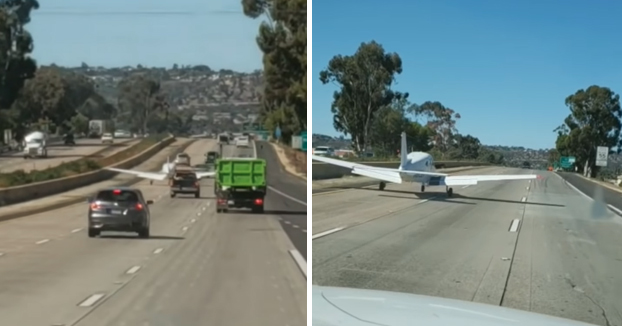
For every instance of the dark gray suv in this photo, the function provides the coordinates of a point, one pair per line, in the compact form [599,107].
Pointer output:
[119,209]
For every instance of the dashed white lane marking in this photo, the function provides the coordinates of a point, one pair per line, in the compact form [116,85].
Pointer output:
[304,231]
[300,261]
[524,199]
[466,186]
[295,226]
[527,188]
[185,228]
[133,270]
[203,208]
[157,251]
[615,209]
[90,301]
[76,230]
[198,214]
[325,233]
[1,254]
[514,225]
[288,196]
[193,220]
[42,241]
[287,222]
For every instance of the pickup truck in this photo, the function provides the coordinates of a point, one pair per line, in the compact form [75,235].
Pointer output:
[240,183]
[185,182]
[242,141]
[182,159]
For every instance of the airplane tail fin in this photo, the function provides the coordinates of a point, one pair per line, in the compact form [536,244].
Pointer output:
[403,151]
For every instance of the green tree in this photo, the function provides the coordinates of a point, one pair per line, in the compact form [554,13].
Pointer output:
[16,65]
[389,123]
[139,99]
[594,121]
[283,42]
[442,120]
[365,80]
[465,147]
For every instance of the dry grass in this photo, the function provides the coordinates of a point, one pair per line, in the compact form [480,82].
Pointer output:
[297,159]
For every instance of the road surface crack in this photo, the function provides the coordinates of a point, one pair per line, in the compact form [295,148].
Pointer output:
[602,309]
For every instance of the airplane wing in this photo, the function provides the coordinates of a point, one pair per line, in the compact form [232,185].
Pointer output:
[201,175]
[384,174]
[464,180]
[146,175]
[442,179]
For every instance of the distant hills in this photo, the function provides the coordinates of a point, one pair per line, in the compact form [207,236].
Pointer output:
[223,98]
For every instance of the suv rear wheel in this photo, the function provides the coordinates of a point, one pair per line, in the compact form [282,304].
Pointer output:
[144,233]
[93,233]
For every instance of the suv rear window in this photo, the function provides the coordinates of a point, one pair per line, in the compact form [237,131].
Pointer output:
[124,196]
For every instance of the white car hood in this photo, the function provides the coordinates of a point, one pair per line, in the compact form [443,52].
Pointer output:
[334,306]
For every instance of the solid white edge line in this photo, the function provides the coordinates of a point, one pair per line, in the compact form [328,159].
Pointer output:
[514,226]
[133,270]
[577,190]
[300,261]
[615,209]
[325,233]
[90,301]
[76,230]
[287,196]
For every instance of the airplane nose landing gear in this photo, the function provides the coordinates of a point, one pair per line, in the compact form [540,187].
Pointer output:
[450,192]
[382,185]
[422,188]
[151,182]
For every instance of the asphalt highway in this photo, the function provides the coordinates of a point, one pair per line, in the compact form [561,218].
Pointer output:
[198,267]
[59,153]
[290,192]
[538,246]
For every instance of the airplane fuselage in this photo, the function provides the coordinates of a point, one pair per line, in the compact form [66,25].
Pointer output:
[418,161]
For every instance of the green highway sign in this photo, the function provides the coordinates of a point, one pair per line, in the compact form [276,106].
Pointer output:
[566,162]
[303,135]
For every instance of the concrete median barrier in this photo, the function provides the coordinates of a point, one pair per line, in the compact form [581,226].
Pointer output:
[18,194]
[323,171]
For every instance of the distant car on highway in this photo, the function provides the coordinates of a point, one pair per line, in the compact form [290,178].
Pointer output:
[119,209]
[242,141]
[182,159]
[324,151]
[107,138]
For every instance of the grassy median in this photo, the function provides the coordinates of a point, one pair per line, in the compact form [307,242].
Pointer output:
[84,165]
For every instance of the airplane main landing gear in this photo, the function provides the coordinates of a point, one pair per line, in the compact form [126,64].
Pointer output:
[382,185]
[151,182]
[450,192]
[422,188]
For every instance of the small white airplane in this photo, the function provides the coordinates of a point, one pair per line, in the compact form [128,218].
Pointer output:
[418,167]
[167,172]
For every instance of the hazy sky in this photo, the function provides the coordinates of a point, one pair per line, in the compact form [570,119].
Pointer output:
[152,33]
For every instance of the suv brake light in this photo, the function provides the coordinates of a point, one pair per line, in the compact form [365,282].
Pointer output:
[139,206]
[95,206]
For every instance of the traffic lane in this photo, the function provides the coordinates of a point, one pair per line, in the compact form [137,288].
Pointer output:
[288,197]
[351,205]
[61,273]
[568,261]
[23,233]
[609,196]
[278,177]
[56,156]
[448,248]
[234,269]
[472,257]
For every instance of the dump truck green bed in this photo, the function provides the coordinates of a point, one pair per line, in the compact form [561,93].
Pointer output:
[241,172]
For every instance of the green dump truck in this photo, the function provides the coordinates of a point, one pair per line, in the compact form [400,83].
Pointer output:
[240,183]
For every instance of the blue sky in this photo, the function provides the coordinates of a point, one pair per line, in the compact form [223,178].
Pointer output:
[505,66]
[149,32]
